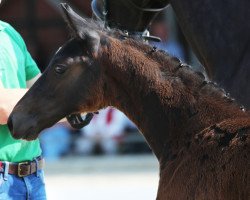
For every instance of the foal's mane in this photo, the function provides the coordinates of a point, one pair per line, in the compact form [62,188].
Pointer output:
[169,65]
[173,66]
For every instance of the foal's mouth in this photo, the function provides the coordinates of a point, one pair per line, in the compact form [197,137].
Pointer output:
[29,135]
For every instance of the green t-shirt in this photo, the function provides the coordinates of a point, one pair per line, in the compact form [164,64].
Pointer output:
[16,67]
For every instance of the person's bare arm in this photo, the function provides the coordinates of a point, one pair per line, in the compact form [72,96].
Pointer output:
[32,81]
[9,98]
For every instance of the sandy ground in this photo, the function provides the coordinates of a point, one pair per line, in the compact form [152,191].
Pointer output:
[102,178]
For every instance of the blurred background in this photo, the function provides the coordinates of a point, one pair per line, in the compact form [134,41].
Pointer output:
[109,159]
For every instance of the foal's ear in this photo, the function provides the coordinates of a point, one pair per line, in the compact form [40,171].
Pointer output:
[81,28]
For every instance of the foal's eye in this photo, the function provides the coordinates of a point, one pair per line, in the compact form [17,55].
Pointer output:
[60,69]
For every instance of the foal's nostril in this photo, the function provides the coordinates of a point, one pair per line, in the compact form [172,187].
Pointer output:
[10,124]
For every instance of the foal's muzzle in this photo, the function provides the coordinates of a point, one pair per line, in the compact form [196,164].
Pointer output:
[19,127]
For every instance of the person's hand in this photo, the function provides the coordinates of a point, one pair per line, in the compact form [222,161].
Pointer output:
[8,99]
[2,113]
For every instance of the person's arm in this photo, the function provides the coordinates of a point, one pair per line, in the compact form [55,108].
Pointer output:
[33,80]
[9,98]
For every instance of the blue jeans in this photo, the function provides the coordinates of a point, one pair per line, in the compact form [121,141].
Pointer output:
[30,187]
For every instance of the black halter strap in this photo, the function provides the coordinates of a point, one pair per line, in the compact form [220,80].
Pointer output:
[100,10]
[76,121]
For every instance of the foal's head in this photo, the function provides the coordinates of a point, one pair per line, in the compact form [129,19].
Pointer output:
[72,82]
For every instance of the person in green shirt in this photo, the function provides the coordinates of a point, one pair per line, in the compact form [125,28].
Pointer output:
[21,174]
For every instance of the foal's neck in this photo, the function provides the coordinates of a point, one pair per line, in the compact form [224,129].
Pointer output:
[169,104]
